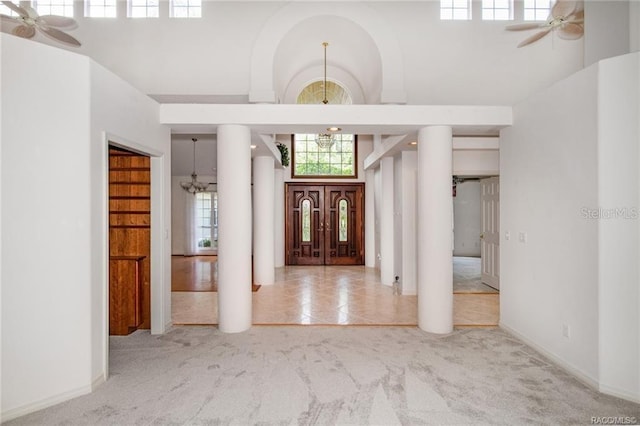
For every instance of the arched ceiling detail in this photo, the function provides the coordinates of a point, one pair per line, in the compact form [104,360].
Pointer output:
[361,45]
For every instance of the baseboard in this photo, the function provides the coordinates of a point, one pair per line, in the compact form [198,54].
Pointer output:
[570,368]
[618,393]
[48,402]
[98,381]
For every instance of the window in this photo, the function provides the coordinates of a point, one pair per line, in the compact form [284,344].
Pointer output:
[497,10]
[536,10]
[54,7]
[186,8]
[100,8]
[455,9]
[310,160]
[143,8]
[207,220]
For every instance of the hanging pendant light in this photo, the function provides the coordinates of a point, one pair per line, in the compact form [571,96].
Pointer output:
[325,140]
[194,186]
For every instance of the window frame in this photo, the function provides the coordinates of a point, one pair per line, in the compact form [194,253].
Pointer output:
[65,4]
[297,176]
[453,8]
[535,10]
[87,9]
[146,7]
[172,7]
[493,10]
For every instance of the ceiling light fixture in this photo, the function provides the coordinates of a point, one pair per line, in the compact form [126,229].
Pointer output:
[334,129]
[194,186]
[325,140]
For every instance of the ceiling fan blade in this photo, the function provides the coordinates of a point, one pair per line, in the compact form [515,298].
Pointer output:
[570,31]
[17,9]
[563,8]
[31,12]
[58,21]
[24,31]
[520,27]
[535,37]
[577,17]
[60,36]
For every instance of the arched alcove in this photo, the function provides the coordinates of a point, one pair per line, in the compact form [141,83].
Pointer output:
[363,53]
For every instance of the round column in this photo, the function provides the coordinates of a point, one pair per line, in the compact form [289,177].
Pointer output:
[369,220]
[435,239]
[234,228]
[278,227]
[263,220]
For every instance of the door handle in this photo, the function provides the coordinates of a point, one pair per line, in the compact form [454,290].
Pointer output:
[321,227]
[482,236]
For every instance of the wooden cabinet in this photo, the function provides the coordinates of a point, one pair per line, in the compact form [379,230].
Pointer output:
[126,281]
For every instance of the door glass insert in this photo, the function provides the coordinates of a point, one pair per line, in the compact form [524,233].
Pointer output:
[306,221]
[342,207]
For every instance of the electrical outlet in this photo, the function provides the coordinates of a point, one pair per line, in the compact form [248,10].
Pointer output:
[522,236]
[507,235]
[566,331]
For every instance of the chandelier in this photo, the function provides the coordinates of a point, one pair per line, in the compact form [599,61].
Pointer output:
[325,140]
[194,186]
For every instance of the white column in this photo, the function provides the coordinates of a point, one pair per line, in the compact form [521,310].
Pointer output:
[369,219]
[234,228]
[263,220]
[278,227]
[435,210]
[386,222]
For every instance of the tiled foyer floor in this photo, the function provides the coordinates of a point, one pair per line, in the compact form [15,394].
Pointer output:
[340,295]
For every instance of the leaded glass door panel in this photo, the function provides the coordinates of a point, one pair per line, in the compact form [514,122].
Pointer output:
[324,224]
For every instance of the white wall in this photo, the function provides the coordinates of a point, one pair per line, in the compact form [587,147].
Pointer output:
[466,223]
[198,59]
[607,29]
[618,242]
[570,181]
[58,110]
[481,162]
[46,256]
[548,173]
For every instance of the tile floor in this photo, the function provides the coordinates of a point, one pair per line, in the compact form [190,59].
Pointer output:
[332,295]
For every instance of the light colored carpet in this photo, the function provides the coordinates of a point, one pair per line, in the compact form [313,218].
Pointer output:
[331,375]
[466,276]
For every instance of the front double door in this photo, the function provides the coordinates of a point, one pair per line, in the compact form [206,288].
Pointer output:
[324,224]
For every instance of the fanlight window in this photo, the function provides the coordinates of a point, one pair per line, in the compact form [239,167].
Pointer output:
[314,94]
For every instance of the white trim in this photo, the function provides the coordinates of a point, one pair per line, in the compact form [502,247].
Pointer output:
[570,368]
[619,393]
[47,402]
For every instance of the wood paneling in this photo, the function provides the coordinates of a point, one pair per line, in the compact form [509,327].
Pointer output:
[129,238]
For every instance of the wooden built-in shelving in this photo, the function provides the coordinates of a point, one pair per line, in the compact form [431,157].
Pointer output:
[129,241]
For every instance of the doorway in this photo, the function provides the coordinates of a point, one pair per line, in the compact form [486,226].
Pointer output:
[129,241]
[324,224]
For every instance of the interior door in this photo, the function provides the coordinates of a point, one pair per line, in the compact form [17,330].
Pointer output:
[490,236]
[305,225]
[324,224]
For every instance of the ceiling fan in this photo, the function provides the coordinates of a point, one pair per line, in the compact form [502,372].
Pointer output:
[566,19]
[29,21]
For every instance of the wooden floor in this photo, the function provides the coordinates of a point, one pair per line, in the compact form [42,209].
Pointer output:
[323,295]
